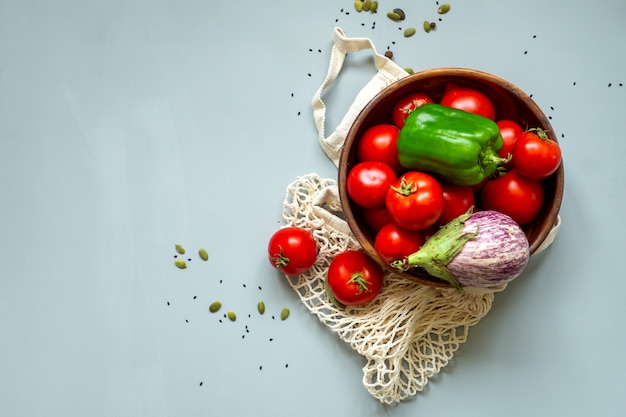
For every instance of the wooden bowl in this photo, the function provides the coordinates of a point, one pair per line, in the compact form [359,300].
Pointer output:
[509,101]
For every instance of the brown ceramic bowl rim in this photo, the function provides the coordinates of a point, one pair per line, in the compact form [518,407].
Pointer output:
[550,215]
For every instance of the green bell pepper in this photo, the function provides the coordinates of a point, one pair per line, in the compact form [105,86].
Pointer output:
[460,147]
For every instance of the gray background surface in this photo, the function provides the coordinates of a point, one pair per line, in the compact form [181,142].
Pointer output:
[126,127]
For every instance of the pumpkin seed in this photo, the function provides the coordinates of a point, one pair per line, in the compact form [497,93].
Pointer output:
[261,307]
[367,5]
[204,255]
[427,26]
[358,5]
[215,306]
[231,315]
[179,248]
[400,13]
[180,263]
[409,32]
[443,9]
[409,70]
[284,313]
[374,7]
[394,16]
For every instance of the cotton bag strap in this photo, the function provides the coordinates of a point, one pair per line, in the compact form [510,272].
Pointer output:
[387,73]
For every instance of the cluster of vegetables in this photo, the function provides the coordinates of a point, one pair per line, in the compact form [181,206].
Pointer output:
[446,188]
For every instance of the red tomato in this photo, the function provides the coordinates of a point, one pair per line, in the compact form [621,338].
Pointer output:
[292,250]
[468,99]
[376,217]
[367,183]
[354,278]
[535,155]
[406,105]
[378,143]
[510,131]
[415,201]
[393,242]
[514,195]
[457,199]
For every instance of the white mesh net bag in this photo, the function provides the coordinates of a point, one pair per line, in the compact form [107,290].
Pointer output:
[410,331]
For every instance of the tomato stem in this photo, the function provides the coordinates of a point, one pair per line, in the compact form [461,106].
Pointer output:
[358,279]
[406,188]
[279,259]
[543,134]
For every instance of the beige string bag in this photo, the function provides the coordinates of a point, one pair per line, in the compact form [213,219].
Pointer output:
[410,331]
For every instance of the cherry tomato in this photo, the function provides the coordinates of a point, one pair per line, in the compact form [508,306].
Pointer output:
[354,278]
[376,217]
[393,242]
[510,131]
[415,201]
[406,105]
[535,155]
[517,196]
[292,250]
[468,99]
[457,199]
[367,183]
[378,143]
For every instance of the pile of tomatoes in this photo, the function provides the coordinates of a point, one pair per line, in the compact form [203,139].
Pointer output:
[406,207]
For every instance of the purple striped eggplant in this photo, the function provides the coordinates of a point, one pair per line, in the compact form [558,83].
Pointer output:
[481,249]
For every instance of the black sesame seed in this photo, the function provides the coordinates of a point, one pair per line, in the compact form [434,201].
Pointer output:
[298,113]
[550,117]
[261,368]
[525,52]
[286,365]
[220,281]
[534,36]
[272,317]
[220,320]
[200,383]
[186,321]
[551,108]
[336,20]
[243,336]
[168,303]
[562,135]
[309,74]
[271,339]
[175,256]
[310,50]
[244,285]
[609,84]
[574,82]
[260,287]
[195,296]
